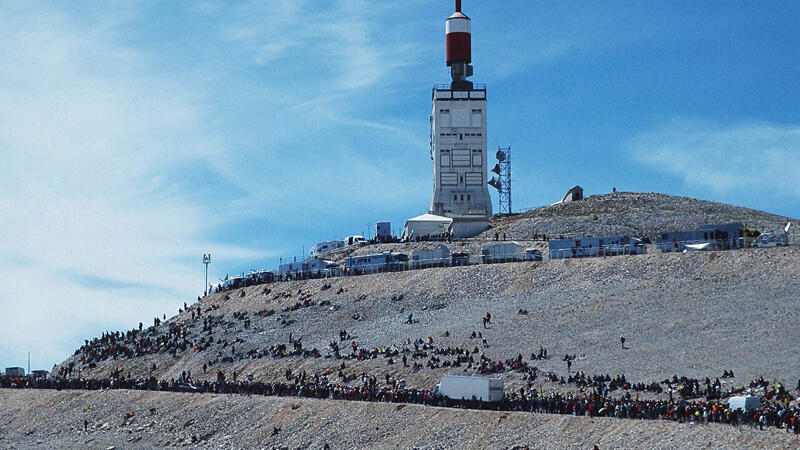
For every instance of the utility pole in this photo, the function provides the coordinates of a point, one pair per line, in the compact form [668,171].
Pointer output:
[29,364]
[206,261]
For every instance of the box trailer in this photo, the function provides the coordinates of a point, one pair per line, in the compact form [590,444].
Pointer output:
[744,403]
[457,387]
[437,257]
[502,252]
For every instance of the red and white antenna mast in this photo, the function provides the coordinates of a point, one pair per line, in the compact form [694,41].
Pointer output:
[459,48]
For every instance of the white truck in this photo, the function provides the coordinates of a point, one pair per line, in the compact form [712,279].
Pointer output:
[502,252]
[456,387]
[437,257]
[744,403]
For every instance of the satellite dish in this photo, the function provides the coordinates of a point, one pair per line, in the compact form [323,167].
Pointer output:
[788,225]
[496,169]
[500,156]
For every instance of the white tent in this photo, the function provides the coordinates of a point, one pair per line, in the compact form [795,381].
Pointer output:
[427,225]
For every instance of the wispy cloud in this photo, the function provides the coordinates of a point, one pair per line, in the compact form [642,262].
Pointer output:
[752,158]
[98,226]
[343,42]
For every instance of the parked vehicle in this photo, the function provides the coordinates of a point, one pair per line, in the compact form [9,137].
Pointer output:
[383,262]
[533,254]
[502,252]
[770,240]
[595,246]
[354,241]
[456,387]
[233,282]
[723,236]
[459,259]
[437,257]
[744,403]
[255,278]
[310,268]
[325,247]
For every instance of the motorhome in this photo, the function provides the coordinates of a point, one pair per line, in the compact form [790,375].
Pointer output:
[595,246]
[324,247]
[382,262]
[312,267]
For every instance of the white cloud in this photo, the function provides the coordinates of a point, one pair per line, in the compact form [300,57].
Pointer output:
[90,140]
[753,158]
[103,138]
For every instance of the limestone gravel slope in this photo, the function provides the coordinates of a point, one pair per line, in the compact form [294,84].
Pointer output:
[50,419]
[691,314]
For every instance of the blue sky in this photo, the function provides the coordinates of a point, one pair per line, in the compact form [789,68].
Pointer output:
[136,136]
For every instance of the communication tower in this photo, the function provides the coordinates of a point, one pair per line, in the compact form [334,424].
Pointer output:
[458,137]
[503,181]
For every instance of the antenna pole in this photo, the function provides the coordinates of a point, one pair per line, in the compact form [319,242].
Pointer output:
[458,5]
[206,261]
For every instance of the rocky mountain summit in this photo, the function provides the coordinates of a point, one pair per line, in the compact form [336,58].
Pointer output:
[689,315]
[630,213]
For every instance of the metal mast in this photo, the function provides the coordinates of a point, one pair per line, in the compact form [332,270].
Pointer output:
[503,181]
[206,261]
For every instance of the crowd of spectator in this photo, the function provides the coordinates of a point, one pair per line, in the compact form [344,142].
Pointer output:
[594,404]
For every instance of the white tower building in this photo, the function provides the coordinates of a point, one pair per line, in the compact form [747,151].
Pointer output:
[458,138]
